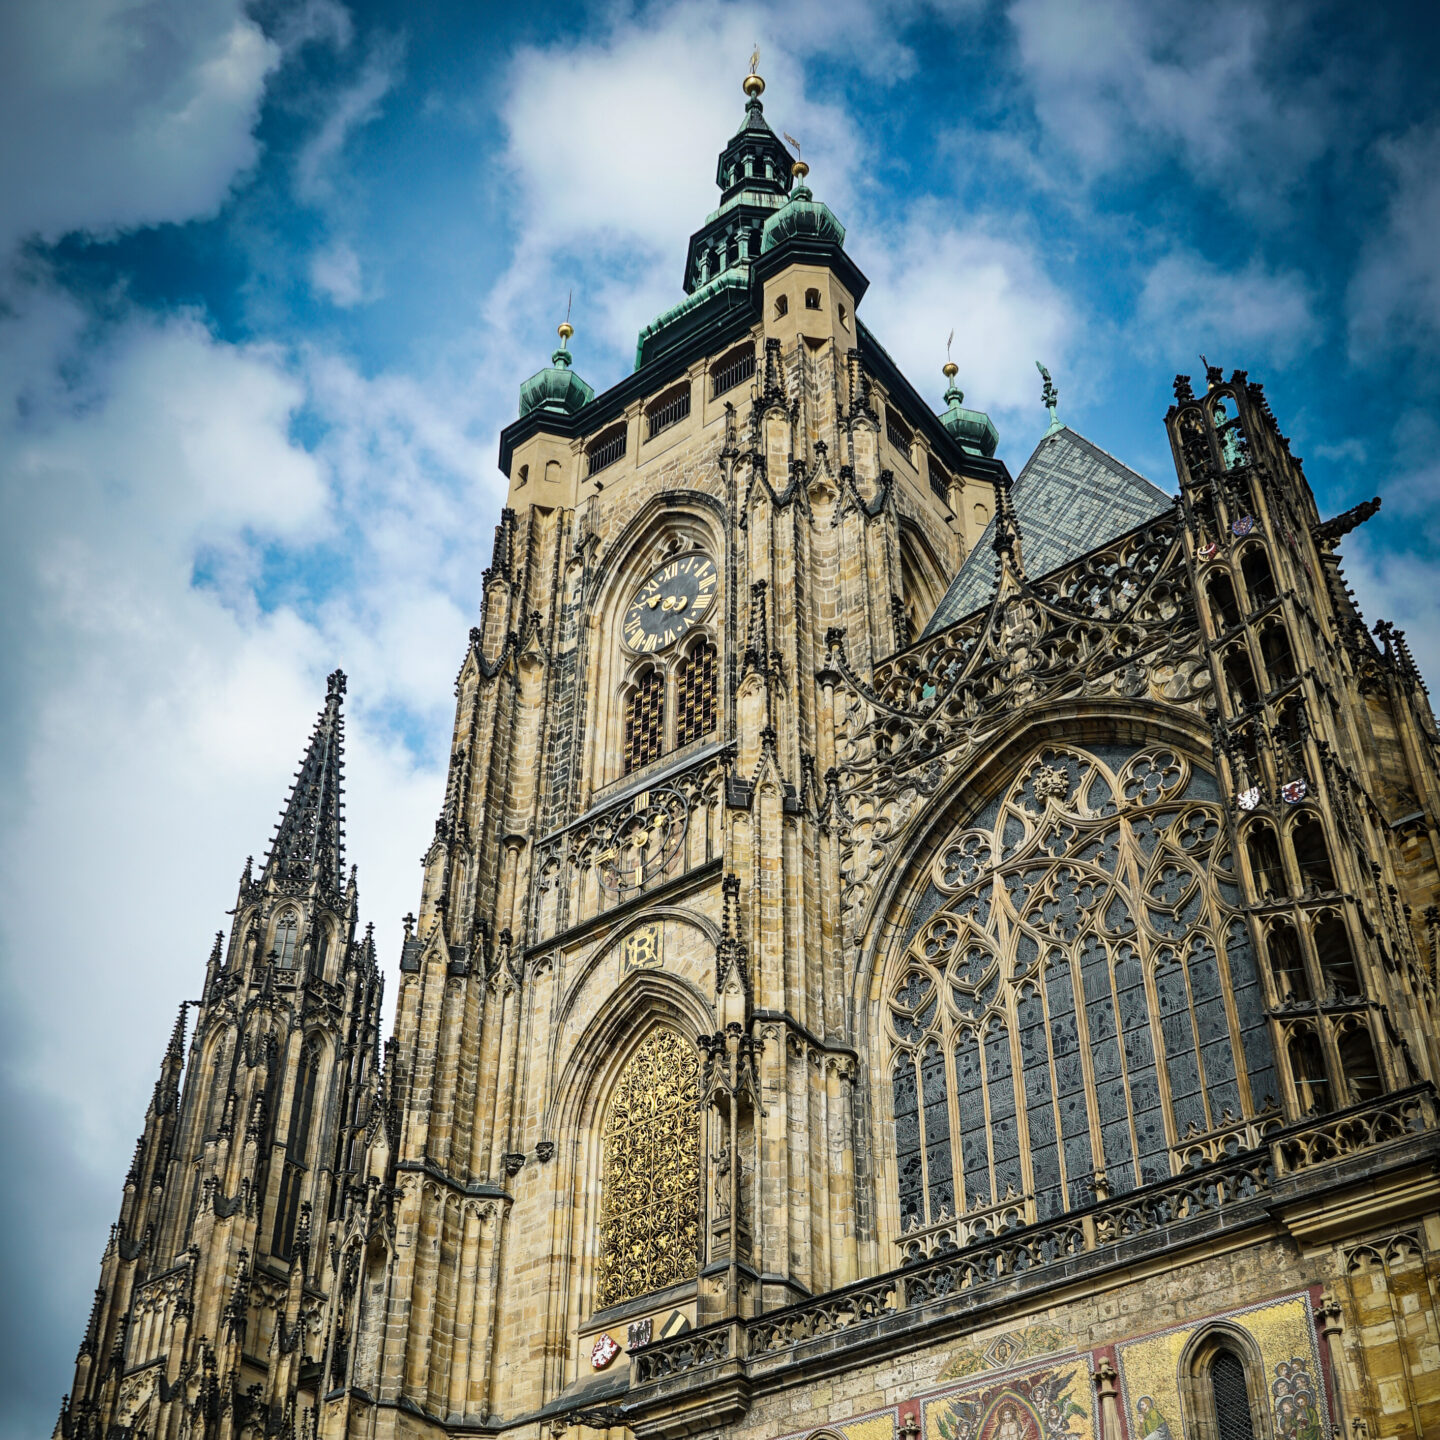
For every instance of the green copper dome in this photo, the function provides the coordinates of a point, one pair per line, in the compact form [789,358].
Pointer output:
[804,215]
[557,388]
[974,431]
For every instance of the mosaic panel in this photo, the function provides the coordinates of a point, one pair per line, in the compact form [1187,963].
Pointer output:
[1054,1403]
[1285,1333]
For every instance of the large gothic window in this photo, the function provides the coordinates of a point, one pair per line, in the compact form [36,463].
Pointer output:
[286,928]
[1079,1011]
[297,1147]
[650,1193]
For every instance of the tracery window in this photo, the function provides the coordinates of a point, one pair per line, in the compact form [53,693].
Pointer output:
[650,1194]
[645,721]
[695,693]
[297,1147]
[286,928]
[1080,1002]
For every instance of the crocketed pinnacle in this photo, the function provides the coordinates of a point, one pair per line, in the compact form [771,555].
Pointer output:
[309,843]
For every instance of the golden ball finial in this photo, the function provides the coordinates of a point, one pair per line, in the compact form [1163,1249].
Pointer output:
[799,169]
[753,86]
[949,369]
[564,330]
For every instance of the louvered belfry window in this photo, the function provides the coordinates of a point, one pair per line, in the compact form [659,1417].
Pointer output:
[645,721]
[695,694]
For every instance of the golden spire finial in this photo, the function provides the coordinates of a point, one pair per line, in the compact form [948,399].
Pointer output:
[565,329]
[799,169]
[753,85]
[949,369]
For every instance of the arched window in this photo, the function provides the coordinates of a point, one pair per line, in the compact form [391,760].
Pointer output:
[1287,964]
[1259,579]
[1337,962]
[695,693]
[1278,656]
[782,307]
[1021,1008]
[1231,1397]
[1222,601]
[732,369]
[1263,851]
[286,929]
[1312,855]
[1359,1065]
[650,1192]
[812,299]
[1307,1068]
[645,721]
[1240,676]
[297,1147]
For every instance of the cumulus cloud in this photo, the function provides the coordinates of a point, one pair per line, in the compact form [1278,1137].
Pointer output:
[1395,294]
[115,114]
[177,574]
[992,287]
[1113,81]
[1188,303]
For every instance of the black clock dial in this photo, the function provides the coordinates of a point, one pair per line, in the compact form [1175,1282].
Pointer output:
[671,602]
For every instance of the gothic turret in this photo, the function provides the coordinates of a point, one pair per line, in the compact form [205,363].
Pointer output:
[211,1288]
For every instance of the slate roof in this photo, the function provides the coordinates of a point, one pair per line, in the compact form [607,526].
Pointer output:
[1070,497]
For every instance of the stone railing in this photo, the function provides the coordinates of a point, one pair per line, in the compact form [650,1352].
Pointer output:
[1166,1214]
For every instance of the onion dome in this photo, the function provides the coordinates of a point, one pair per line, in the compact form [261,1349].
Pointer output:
[973,430]
[557,389]
[804,215]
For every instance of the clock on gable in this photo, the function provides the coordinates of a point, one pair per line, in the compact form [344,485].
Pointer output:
[671,603]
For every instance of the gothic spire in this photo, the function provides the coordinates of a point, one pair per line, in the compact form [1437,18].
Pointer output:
[309,844]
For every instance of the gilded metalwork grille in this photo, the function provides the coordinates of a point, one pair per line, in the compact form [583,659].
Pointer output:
[645,721]
[650,1198]
[1084,1009]
[695,695]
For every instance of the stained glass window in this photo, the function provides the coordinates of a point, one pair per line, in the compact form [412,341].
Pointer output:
[650,1192]
[1082,997]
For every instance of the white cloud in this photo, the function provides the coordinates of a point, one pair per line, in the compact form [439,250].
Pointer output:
[1187,303]
[1395,295]
[351,108]
[115,113]
[1116,80]
[928,276]
[335,273]
[150,723]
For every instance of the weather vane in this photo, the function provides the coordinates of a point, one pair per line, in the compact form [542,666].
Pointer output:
[1049,398]
[949,341]
[565,329]
[753,85]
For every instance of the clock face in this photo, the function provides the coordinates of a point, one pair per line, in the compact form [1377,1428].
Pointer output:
[673,600]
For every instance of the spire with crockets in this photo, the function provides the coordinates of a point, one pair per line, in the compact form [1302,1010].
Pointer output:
[309,843]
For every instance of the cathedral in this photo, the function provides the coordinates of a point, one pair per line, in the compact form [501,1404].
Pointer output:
[906,952]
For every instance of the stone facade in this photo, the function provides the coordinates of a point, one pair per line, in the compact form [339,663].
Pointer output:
[1019,1031]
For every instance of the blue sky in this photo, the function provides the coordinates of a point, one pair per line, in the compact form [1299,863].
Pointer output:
[270,276]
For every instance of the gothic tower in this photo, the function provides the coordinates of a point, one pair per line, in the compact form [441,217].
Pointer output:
[208,1318]
[905,949]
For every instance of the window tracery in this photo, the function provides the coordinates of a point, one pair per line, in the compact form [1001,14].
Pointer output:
[650,1192]
[1085,1000]
[283,948]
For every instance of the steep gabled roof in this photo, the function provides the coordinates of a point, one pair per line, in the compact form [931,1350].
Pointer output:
[1070,497]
